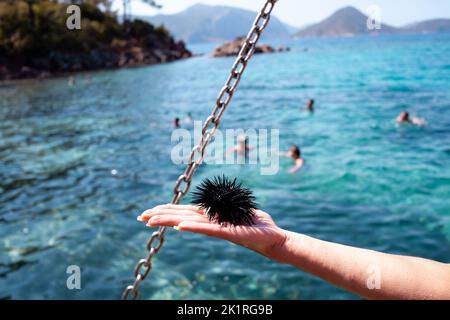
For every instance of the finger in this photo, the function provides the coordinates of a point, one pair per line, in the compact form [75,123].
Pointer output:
[178,207]
[155,212]
[174,220]
[209,229]
[175,207]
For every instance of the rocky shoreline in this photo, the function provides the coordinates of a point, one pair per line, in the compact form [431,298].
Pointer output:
[56,63]
[128,54]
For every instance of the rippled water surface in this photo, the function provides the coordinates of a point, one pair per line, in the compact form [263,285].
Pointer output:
[78,164]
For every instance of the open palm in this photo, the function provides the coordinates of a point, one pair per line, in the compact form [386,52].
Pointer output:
[264,236]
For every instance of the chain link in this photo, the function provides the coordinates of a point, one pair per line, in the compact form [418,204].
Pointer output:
[209,128]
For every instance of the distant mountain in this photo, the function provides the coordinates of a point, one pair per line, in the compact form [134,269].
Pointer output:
[203,23]
[429,26]
[291,29]
[347,21]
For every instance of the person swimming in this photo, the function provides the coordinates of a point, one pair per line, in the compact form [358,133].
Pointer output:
[188,119]
[242,147]
[176,122]
[71,82]
[295,153]
[404,118]
[310,105]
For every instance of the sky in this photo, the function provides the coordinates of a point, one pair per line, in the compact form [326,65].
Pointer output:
[299,13]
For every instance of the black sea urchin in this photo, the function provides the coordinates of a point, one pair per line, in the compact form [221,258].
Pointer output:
[225,201]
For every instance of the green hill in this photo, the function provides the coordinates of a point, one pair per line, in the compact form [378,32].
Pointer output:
[35,41]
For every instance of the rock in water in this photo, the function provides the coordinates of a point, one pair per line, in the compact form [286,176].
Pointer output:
[232,48]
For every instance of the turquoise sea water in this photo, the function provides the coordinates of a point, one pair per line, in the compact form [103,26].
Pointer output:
[368,183]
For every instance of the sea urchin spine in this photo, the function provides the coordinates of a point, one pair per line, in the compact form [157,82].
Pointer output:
[225,201]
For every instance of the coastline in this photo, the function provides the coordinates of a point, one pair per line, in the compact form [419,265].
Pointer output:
[75,74]
[58,64]
[65,74]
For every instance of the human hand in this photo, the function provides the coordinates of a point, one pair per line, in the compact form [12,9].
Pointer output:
[293,169]
[264,236]
[419,122]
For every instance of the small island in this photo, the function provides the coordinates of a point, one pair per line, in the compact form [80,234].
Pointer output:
[232,48]
[35,41]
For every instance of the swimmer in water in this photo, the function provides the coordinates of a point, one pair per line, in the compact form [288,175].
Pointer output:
[188,119]
[310,105]
[295,153]
[404,118]
[176,122]
[242,147]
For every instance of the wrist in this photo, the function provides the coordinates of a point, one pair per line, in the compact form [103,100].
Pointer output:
[282,250]
[286,251]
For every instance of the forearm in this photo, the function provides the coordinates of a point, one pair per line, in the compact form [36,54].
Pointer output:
[367,273]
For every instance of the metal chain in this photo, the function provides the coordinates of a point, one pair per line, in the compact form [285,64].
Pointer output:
[209,128]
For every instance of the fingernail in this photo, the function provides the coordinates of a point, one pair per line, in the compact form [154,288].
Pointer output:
[139,218]
[152,222]
[176,228]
